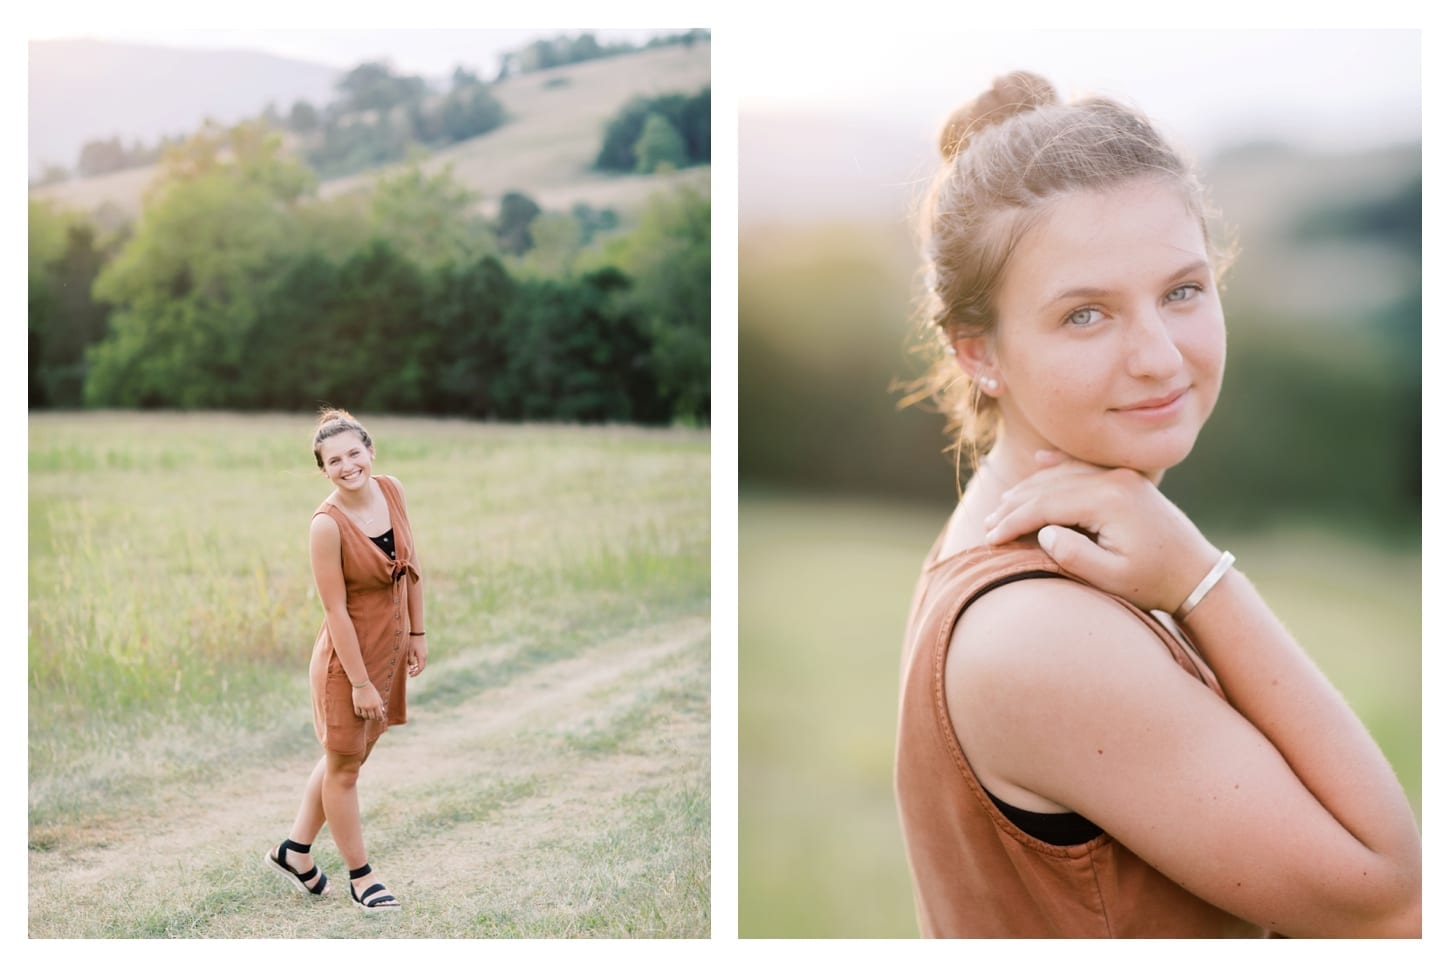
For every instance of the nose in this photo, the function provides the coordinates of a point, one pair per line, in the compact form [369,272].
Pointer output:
[1152,352]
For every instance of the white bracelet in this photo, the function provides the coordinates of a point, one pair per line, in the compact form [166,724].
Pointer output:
[1225,561]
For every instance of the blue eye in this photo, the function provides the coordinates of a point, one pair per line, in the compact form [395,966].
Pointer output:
[1085,316]
[1184,292]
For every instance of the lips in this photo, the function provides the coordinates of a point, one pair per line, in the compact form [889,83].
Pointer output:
[1156,403]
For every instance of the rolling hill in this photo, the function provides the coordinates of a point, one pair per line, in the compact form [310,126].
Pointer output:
[89,90]
[546,149]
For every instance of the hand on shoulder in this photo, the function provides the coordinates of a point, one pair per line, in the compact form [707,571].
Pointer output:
[1110,526]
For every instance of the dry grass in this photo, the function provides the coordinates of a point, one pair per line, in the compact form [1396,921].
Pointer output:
[554,779]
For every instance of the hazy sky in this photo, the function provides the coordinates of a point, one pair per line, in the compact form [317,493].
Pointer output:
[1337,88]
[415,50]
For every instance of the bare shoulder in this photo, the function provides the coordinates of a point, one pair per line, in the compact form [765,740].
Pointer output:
[1043,629]
[324,528]
[1034,669]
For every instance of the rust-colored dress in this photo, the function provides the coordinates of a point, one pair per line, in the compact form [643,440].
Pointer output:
[377,602]
[975,873]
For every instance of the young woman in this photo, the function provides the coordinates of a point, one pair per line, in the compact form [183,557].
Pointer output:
[1103,730]
[367,576]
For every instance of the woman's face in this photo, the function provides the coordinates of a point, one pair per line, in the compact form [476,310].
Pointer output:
[1110,336]
[346,461]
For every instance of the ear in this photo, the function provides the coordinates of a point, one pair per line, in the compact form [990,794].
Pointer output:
[977,358]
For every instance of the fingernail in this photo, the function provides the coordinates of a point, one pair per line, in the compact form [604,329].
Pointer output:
[990,519]
[1047,537]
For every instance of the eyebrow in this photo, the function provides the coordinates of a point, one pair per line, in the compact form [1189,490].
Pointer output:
[1089,292]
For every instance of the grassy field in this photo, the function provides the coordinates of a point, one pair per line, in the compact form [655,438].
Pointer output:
[554,777]
[824,589]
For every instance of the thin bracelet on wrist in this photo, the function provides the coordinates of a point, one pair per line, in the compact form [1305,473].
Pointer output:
[365,684]
[416,634]
[1225,561]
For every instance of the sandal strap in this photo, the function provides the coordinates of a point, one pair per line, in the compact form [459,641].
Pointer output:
[289,846]
[376,901]
[361,871]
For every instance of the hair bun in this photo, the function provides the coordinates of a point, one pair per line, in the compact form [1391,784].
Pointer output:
[330,413]
[1010,94]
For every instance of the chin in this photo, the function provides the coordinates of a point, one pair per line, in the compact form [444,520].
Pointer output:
[1150,458]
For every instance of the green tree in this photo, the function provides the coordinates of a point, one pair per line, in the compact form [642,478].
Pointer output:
[576,352]
[660,147]
[372,340]
[217,228]
[689,116]
[468,305]
[303,118]
[373,86]
[516,213]
[668,257]
[430,219]
[557,240]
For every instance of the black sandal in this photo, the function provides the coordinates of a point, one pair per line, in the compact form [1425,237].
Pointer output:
[385,902]
[302,881]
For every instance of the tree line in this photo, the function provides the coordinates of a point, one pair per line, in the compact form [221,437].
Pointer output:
[241,289]
[562,50]
[650,134]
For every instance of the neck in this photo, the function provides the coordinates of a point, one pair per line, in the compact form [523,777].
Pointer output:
[359,501]
[1013,459]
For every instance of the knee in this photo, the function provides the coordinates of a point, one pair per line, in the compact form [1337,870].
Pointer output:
[343,769]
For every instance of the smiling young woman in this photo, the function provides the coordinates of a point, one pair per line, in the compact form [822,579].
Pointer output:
[1103,729]
[366,571]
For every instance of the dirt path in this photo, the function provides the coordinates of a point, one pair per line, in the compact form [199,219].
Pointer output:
[459,806]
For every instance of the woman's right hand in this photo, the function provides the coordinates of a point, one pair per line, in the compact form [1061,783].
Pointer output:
[1111,527]
[367,703]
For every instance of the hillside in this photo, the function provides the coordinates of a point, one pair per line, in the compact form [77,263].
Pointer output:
[88,90]
[546,149]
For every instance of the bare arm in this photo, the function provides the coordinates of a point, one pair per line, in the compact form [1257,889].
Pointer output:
[325,545]
[1278,805]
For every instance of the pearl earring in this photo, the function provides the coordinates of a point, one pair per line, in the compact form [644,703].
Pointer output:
[989,384]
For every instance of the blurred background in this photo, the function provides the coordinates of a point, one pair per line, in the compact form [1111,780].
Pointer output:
[250,219]
[1309,142]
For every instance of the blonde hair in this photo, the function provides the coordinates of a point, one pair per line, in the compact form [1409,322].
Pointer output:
[1007,154]
[331,422]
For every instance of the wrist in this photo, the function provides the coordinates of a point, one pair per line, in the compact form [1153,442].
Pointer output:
[416,634]
[363,684]
[1211,578]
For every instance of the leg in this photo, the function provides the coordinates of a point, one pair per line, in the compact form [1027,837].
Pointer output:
[339,799]
[310,815]
[292,857]
[338,795]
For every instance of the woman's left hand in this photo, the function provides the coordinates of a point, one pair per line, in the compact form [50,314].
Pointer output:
[417,655]
[1111,527]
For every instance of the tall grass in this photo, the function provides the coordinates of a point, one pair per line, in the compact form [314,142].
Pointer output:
[557,783]
[824,590]
[169,575]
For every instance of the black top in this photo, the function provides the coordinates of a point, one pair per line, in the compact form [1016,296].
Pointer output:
[1059,829]
[385,541]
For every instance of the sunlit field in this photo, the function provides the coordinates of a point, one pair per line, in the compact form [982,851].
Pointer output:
[553,779]
[824,590]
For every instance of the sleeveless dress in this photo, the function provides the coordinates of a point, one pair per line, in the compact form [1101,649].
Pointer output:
[377,602]
[974,872]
